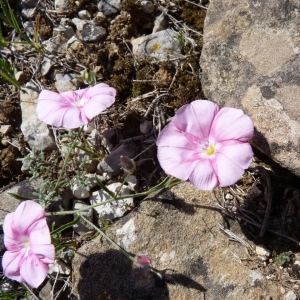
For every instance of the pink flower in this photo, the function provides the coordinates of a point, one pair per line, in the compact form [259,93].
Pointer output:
[206,144]
[74,108]
[27,239]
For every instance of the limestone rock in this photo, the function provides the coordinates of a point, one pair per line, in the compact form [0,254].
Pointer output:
[35,132]
[160,22]
[251,60]
[114,209]
[84,15]
[82,227]
[79,23]
[65,31]
[80,192]
[93,33]
[109,7]
[47,63]
[159,45]
[61,5]
[68,82]
[56,44]
[179,231]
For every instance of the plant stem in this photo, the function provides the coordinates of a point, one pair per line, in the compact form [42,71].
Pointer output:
[109,239]
[30,291]
[166,183]
[67,159]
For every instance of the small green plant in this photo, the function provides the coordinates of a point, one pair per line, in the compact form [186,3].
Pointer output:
[23,294]
[54,173]
[87,77]
[136,92]
[8,17]
[284,259]
[7,72]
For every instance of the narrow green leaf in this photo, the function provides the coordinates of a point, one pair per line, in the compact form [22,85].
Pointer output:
[103,187]
[18,196]
[65,226]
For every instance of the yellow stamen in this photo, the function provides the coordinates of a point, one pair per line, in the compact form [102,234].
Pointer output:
[211,150]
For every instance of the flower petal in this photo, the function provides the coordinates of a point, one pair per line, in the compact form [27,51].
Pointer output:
[45,253]
[48,104]
[231,160]
[74,96]
[178,162]
[171,136]
[99,98]
[11,263]
[33,271]
[73,117]
[39,232]
[196,118]
[11,238]
[100,89]
[204,176]
[232,124]
[26,214]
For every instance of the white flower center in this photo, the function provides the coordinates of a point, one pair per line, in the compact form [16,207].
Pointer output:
[26,244]
[209,149]
[80,102]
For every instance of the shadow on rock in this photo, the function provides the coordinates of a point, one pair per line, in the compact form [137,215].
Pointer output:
[111,275]
[183,280]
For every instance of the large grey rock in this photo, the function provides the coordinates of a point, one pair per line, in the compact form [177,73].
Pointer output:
[251,60]
[159,45]
[180,232]
[36,133]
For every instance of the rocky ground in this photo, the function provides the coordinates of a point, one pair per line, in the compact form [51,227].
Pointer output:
[150,52]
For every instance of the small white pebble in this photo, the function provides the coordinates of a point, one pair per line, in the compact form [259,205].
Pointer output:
[229,197]
[290,296]
[260,251]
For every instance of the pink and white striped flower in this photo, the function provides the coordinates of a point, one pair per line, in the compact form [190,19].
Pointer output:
[73,109]
[28,242]
[206,144]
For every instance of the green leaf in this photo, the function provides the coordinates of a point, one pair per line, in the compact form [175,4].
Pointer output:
[18,196]
[103,187]
[65,226]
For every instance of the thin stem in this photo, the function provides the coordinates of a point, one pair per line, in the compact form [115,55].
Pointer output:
[71,212]
[109,239]
[166,183]
[67,159]
[30,291]
[123,182]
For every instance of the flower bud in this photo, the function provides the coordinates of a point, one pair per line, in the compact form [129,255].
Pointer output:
[127,163]
[143,260]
